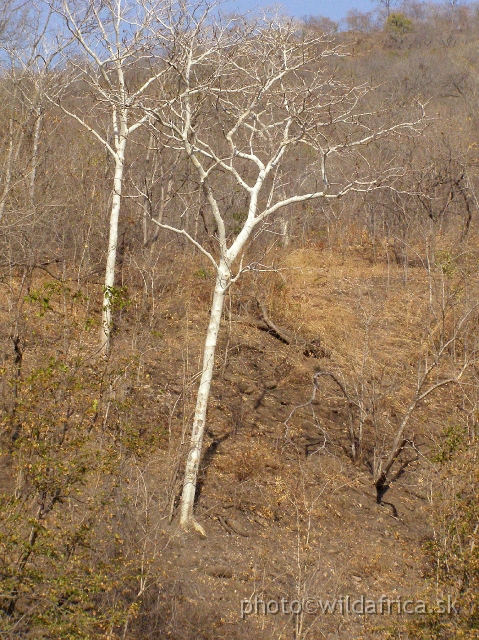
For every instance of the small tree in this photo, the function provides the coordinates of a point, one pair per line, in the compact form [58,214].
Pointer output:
[397,26]
[114,41]
[446,356]
[258,111]
[389,393]
[29,53]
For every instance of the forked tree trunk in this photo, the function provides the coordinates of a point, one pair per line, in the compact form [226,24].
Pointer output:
[108,293]
[223,280]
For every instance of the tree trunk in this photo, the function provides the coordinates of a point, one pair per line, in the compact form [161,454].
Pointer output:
[12,155]
[36,144]
[112,247]
[223,279]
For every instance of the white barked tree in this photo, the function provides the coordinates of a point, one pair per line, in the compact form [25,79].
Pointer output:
[257,110]
[116,52]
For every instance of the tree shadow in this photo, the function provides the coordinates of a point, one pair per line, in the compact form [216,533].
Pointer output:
[206,462]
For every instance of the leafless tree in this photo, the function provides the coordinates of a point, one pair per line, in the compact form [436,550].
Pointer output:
[258,110]
[448,353]
[115,43]
[29,54]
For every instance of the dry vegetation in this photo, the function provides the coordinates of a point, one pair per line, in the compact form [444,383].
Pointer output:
[341,454]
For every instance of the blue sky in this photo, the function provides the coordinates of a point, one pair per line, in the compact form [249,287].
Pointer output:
[334,9]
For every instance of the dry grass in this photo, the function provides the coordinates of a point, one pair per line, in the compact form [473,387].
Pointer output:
[310,513]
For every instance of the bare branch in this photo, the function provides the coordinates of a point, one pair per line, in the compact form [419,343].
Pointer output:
[183,232]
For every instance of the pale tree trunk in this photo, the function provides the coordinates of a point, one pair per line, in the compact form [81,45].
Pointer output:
[245,112]
[113,36]
[285,232]
[36,144]
[164,196]
[112,246]
[7,171]
[12,155]
[223,280]
[147,199]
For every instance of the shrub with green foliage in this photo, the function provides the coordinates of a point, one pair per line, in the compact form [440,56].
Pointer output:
[397,24]
[67,571]
[453,552]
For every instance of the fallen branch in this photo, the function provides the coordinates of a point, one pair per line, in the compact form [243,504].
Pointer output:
[310,349]
[278,333]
